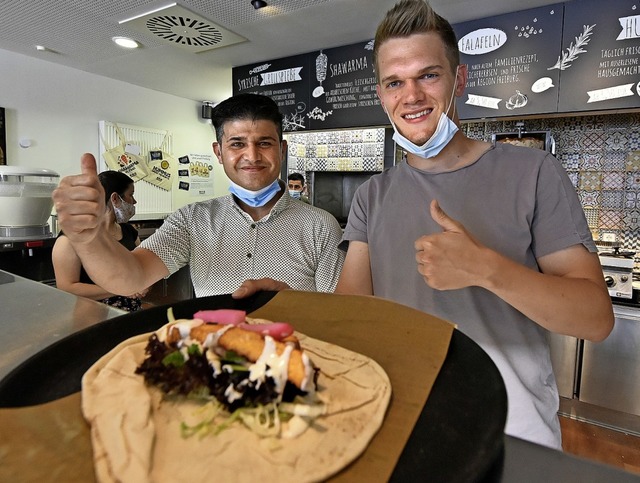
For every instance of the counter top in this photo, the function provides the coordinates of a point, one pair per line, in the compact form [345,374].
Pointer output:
[631,311]
[55,314]
[35,315]
[525,461]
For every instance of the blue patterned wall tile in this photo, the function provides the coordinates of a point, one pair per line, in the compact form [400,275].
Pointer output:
[614,161]
[611,199]
[632,181]
[591,160]
[591,139]
[597,122]
[632,219]
[616,140]
[631,199]
[610,219]
[612,180]
[589,199]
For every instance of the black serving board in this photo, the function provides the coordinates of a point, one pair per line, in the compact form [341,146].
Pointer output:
[459,436]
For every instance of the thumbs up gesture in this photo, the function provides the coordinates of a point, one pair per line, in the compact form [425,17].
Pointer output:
[450,259]
[79,202]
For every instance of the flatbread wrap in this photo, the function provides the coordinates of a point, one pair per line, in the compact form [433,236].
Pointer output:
[136,427]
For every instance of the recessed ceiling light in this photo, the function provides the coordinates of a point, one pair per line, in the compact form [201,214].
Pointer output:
[258,4]
[126,42]
[41,48]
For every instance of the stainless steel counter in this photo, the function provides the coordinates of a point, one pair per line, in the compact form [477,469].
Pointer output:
[597,382]
[35,315]
[611,368]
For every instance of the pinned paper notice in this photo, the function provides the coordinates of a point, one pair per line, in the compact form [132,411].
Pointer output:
[132,149]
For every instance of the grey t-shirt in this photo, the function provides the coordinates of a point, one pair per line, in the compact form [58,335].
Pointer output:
[516,201]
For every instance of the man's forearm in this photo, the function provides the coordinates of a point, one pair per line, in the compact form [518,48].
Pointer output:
[111,266]
[571,305]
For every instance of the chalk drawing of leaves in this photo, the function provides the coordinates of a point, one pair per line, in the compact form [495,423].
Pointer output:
[574,50]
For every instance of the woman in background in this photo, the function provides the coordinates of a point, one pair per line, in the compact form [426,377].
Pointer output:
[70,275]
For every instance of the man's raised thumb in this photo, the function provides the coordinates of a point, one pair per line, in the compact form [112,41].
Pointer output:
[88,164]
[441,218]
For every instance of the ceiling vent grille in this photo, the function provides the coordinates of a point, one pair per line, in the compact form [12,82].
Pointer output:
[178,26]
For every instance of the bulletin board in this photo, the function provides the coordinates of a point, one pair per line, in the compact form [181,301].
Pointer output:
[152,202]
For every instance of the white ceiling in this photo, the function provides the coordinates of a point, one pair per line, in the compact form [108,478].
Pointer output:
[77,33]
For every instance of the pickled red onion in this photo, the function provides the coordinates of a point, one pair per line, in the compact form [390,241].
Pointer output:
[221,316]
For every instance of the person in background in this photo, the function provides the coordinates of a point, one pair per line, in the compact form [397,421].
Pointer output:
[120,207]
[296,187]
[492,238]
[225,241]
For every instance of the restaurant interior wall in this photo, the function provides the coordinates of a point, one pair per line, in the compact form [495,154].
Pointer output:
[58,108]
[601,154]
[351,153]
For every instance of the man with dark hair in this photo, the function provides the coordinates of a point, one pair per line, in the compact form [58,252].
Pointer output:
[226,240]
[295,183]
[492,238]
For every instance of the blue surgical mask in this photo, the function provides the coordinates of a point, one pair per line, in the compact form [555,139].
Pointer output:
[295,194]
[255,198]
[444,133]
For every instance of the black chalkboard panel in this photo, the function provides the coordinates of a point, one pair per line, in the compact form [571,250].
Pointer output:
[286,81]
[327,89]
[510,59]
[343,91]
[601,56]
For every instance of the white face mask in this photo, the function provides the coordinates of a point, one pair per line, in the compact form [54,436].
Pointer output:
[125,211]
[255,198]
[295,194]
[444,133]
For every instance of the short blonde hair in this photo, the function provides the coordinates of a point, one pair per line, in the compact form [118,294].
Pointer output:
[410,17]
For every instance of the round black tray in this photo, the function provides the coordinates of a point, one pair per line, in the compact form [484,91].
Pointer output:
[459,436]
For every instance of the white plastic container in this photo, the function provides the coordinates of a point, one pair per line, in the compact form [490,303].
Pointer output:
[25,195]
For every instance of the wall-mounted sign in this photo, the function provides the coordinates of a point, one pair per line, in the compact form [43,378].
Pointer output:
[600,61]
[579,55]
[285,80]
[510,60]
[331,88]
[344,91]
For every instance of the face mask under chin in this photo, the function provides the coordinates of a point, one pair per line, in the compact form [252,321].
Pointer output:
[443,134]
[445,130]
[255,198]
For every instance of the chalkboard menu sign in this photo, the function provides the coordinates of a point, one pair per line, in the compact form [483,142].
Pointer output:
[600,60]
[344,94]
[284,80]
[326,89]
[511,61]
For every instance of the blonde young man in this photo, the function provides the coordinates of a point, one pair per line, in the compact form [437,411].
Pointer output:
[491,238]
[247,234]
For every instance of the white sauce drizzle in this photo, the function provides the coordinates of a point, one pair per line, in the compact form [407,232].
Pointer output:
[185,326]
[211,341]
[278,365]
[232,394]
